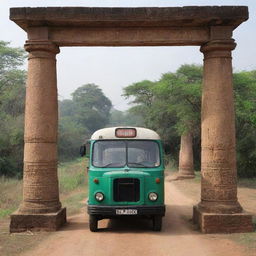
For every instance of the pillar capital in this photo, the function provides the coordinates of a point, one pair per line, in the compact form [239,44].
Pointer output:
[218,48]
[33,46]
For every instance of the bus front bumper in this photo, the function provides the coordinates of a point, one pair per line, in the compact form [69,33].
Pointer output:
[126,210]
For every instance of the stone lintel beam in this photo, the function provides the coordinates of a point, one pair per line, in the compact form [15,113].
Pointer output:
[132,36]
[188,16]
[83,26]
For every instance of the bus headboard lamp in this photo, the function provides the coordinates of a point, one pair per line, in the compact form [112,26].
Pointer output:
[125,133]
[99,196]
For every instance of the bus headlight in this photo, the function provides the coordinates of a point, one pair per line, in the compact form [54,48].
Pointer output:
[153,196]
[99,196]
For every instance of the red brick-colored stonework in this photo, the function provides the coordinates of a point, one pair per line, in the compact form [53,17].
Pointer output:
[37,222]
[186,163]
[222,223]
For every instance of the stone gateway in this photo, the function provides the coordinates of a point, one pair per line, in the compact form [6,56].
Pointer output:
[53,27]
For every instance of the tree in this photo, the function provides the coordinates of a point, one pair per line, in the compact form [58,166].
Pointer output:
[87,111]
[126,118]
[245,104]
[142,99]
[171,106]
[92,107]
[12,98]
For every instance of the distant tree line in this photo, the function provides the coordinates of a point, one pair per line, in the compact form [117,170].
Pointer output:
[171,106]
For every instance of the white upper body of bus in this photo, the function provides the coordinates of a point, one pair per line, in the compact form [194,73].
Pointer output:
[117,133]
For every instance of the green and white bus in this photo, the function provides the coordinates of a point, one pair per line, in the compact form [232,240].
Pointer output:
[126,175]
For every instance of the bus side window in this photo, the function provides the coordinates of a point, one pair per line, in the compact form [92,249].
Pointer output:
[88,148]
[85,149]
[82,150]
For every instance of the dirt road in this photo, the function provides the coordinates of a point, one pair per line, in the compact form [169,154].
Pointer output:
[136,238]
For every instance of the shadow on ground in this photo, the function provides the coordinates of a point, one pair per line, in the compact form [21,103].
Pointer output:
[178,221]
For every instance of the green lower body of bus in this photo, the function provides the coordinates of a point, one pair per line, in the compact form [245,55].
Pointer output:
[126,193]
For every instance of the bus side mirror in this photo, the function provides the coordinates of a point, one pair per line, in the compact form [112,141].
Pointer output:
[82,150]
[167,149]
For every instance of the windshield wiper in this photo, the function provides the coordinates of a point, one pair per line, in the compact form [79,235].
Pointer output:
[110,165]
[140,164]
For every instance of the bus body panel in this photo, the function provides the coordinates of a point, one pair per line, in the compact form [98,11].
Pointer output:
[147,177]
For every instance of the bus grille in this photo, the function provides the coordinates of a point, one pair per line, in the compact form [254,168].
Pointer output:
[126,190]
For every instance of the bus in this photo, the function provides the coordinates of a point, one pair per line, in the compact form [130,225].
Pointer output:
[126,175]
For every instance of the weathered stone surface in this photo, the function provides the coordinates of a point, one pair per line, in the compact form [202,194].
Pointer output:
[219,210]
[40,208]
[222,223]
[148,16]
[37,222]
[83,26]
[186,163]
[218,159]
[40,190]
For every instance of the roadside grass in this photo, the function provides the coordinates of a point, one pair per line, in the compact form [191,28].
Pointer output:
[197,178]
[10,195]
[170,166]
[73,192]
[72,175]
[247,182]
[248,240]
[73,185]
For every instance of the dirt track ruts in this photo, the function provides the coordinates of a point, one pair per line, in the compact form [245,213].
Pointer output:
[126,237]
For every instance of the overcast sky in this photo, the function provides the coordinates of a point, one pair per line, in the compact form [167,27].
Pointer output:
[113,68]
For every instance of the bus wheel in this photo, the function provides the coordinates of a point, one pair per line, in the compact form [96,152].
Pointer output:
[157,223]
[93,223]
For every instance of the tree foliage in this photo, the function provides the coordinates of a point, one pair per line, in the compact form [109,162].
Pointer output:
[87,111]
[12,95]
[126,118]
[172,106]
[245,103]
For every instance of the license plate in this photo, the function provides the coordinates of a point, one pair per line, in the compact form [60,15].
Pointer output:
[126,211]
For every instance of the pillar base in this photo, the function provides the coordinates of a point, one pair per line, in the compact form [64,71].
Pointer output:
[185,176]
[21,222]
[222,223]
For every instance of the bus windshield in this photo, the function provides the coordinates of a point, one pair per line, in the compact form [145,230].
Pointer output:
[117,153]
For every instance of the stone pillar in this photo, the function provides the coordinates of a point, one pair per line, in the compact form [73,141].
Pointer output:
[41,208]
[186,163]
[219,210]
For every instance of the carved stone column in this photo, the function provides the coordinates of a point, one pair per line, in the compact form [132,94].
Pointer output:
[186,163]
[219,209]
[41,208]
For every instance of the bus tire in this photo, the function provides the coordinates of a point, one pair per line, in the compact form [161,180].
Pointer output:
[157,223]
[93,223]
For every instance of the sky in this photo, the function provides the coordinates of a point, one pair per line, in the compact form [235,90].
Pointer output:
[113,68]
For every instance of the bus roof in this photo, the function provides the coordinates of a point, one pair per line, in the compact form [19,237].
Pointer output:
[110,134]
